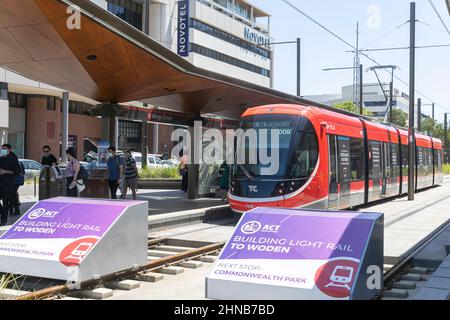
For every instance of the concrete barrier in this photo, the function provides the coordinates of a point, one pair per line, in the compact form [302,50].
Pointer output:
[159,184]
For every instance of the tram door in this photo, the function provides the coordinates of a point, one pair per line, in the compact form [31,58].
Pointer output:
[340,173]
[344,171]
[375,170]
[333,192]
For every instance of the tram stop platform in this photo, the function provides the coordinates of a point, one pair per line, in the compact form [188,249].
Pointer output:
[167,208]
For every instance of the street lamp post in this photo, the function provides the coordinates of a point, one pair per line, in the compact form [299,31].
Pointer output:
[298,41]
[419,114]
[445,138]
[299,44]
[361,88]
[411,137]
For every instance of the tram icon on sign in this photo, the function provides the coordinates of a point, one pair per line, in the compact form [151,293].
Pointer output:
[251,227]
[341,277]
[80,251]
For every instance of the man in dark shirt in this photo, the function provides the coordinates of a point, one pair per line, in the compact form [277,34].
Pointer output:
[9,169]
[48,159]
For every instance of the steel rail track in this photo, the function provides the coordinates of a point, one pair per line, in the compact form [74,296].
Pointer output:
[151,266]
[406,260]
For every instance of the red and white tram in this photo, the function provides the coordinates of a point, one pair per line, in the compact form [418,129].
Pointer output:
[330,160]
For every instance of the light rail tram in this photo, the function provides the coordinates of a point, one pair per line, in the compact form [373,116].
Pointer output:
[330,160]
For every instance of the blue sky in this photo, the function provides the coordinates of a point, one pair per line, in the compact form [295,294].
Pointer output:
[320,50]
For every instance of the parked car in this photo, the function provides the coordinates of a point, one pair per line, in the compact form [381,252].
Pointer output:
[32,168]
[171,163]
[152,161]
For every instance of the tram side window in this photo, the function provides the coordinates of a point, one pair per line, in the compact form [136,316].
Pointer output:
[306,154]
[405,154]
[438,160]
[395,160]
[420,161]
[357,158]
[375,160]
[386,160]
[333,157]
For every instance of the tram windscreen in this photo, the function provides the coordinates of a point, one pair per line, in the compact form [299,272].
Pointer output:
[258,132]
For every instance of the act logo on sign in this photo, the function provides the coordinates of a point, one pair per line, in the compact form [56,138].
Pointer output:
[251,227]
[41,212]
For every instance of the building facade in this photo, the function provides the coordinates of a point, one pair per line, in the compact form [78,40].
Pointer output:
[374,97]
[231,37]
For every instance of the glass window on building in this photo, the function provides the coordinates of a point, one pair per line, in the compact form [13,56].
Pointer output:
[128,10]
[3,91]
[17,141]
[51,103]
[131,131]
[16,100]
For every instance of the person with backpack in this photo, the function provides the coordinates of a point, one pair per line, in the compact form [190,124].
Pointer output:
[131,176]
[115,171]
[72,173]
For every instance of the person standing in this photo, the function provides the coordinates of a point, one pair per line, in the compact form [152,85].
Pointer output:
[48,159]
[9,169]
[72,171]
[183,168]
[131,176]
[224,170]
[114,174]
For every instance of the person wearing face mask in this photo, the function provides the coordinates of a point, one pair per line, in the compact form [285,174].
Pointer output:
[9,169]
[48,159]
[115,171]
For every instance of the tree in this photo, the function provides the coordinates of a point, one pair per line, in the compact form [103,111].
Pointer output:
[351,107]
[399,117]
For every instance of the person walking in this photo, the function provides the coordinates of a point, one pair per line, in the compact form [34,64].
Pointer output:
[72,171]
[224,170]
[183,169]
[48,159]
[114,174]
[131,176]
[9,169]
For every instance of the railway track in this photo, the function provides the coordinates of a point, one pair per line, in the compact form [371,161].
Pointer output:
[404,278]
[165,256]
[169,255]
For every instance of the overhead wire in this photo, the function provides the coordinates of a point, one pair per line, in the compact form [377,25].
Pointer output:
[295,8]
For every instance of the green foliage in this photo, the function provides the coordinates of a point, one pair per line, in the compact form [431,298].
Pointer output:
[160,173]
[399,117]
[351,107]
[446,168]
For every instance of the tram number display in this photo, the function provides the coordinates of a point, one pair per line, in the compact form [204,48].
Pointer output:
[284,132]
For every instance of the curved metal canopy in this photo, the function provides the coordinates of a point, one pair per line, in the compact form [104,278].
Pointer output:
[108,60]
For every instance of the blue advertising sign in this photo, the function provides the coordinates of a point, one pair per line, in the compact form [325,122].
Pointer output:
[183,28]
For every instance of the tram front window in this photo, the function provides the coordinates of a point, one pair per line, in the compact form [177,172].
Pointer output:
[297,148]
[298,153]
[254,139]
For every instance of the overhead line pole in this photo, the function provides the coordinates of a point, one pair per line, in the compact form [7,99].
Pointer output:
[411,138]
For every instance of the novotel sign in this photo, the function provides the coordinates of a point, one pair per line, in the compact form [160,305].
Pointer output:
[183,28]
[256,38]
